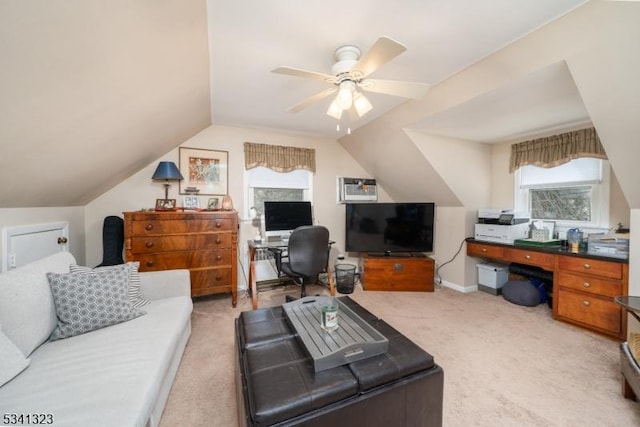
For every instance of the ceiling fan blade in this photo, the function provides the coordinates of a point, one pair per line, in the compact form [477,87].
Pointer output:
[382,51]
[312,100]
[297,72]
[411,90]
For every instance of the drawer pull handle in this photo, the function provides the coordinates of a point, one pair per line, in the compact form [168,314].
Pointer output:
[587,266]
[149,227]
[218,224]
[218,278]
[585,303]
[527,257]
[149,244]
[218,258]
[586,284]
[484,249]
[218,240]
[149,263]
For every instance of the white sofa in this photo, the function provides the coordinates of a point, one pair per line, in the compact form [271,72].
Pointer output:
[119,375]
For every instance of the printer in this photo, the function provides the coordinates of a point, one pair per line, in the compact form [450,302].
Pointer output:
[501,226]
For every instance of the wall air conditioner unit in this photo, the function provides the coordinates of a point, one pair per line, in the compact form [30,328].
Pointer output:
[357,190]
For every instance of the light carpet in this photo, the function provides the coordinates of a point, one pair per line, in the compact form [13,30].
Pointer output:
[504,365]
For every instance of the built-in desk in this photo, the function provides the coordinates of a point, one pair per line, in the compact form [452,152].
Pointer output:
[584,285]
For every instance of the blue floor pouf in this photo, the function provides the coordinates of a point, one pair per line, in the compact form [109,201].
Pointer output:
[521,292]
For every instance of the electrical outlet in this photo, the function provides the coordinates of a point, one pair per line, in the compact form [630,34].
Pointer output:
[12,260]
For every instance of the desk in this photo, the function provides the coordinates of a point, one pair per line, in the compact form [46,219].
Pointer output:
[631,304]
[256,245]
[584,285]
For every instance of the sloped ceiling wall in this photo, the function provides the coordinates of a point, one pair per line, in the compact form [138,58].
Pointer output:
[92,91]
[596,41]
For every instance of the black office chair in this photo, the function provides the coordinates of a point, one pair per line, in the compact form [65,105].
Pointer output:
[112,241]
[307,255]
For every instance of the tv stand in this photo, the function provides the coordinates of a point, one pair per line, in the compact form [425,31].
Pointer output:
[395,272]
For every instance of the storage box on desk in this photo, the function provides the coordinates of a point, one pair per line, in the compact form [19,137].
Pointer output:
[607,245]
[492,277]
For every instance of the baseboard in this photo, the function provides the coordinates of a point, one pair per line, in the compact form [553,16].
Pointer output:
[459,288]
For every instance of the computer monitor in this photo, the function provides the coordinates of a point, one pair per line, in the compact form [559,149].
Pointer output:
[281,218]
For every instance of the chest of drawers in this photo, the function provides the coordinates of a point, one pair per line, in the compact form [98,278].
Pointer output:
[205,243]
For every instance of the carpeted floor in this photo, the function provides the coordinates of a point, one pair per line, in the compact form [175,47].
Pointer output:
[504,365]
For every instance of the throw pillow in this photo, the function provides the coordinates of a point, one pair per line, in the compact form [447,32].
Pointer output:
[89,301]
[135,296]
[12,361]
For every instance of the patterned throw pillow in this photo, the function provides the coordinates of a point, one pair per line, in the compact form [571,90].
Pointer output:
[135,296]
[88,301]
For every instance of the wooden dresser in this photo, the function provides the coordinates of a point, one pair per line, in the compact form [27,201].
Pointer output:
[583,285]
[205,243]
[389,273]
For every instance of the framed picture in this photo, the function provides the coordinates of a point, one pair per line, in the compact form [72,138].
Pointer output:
[165,204]
[213,204]
[206,170]
[191,202]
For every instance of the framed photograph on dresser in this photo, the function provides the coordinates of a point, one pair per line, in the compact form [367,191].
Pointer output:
[205,170]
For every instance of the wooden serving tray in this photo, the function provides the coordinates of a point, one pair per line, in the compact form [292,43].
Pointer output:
[354,339]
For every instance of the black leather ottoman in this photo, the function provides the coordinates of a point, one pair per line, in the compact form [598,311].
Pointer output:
[277,384]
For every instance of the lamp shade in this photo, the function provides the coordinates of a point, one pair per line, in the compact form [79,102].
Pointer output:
[167,171]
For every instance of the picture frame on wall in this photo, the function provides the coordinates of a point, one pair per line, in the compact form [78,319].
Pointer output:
[205,170]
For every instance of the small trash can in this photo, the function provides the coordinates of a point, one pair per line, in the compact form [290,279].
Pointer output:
[345,278]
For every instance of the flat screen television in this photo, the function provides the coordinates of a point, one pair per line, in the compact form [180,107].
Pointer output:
[388,228]
[281,218]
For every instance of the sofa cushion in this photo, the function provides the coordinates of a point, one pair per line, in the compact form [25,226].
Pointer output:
[135,296]
[12,361]
[108,377]
[89,301]
[27,311]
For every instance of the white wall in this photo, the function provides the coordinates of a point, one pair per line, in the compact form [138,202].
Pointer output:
[28,216]
[140,192]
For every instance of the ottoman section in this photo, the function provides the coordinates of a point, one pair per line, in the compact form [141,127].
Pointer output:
[263,326]
[282,384]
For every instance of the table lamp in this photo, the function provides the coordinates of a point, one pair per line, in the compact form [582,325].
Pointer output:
[167,171]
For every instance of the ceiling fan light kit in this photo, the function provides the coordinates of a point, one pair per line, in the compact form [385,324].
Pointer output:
[350,74]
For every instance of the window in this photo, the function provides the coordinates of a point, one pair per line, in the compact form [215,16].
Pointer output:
[266,184]
[573,194]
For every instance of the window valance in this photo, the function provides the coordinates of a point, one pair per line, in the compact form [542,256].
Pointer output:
[557,149]
[278,157]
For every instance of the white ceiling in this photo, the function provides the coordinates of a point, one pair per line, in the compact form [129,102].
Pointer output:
[248,39]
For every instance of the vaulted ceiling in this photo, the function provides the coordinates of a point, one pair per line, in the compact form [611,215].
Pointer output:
[94,90]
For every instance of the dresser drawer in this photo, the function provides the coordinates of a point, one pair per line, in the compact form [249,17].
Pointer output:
[591,284]
[612,270]
[486,251]
[163,226]
[180,242]
[524,256]
[210,281]
[184,259]
[590,310]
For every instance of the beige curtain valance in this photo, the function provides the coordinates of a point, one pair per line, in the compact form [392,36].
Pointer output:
[556,150]
[278,157]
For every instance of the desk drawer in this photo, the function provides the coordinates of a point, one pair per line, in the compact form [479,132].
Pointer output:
[591,284]
[523,256]
[609,269]
[484,251]
[595,312]
[152,244]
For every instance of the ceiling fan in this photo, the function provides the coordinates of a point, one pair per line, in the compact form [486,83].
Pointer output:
[350,73]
